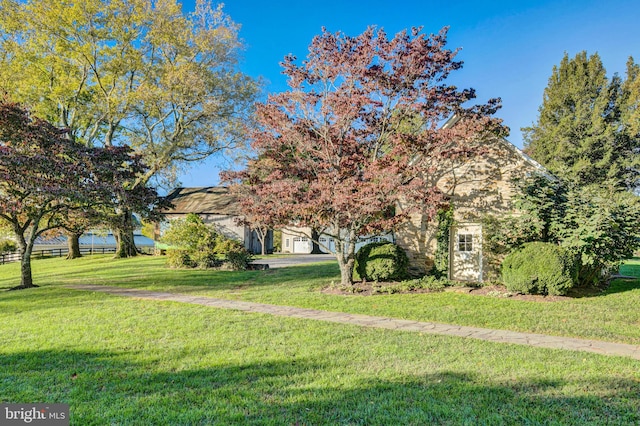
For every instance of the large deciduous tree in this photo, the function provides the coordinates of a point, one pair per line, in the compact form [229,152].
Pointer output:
[129,71]
[585,129]
[359,134]
[117,170]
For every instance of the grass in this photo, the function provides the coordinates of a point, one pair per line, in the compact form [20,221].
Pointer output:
[611,316]
[125,361]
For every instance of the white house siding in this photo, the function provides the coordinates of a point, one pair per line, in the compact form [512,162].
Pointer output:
[226,225]
[297,241]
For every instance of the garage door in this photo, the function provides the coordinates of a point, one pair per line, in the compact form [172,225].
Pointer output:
[327,244]
[301,245]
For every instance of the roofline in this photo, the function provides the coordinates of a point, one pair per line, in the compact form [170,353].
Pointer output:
[186,191]
[455,118]
[193,188]
[167,213]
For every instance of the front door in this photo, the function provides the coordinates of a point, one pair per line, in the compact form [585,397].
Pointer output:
[466,252]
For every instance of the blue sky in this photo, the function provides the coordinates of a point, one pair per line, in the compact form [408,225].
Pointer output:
[508,47]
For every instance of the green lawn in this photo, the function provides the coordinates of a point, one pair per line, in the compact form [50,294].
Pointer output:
[124,361]
[612,316]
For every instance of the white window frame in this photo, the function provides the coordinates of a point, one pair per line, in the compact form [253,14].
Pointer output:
[464,243]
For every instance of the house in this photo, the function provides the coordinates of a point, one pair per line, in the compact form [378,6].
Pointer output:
[476,186]
[218,207]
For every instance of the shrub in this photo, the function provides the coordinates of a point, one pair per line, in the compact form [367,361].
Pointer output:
[380,262]
[238,260]
[428,282]
[542,268]
[235,255]
[197,244]
[179,258]
[7,246]
[191,234]
[205,259]
[597,223]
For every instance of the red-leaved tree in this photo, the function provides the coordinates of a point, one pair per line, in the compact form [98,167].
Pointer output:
[114,189]
[351,149]
[47,180]
[40,176]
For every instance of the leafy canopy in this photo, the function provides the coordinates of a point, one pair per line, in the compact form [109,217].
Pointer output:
[358,134]
[597,225]
[587,129]
[46,179]
[131,72]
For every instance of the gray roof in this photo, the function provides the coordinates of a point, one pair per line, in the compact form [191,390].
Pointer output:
[205,200]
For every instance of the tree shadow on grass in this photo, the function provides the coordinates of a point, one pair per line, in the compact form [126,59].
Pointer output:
[151,275]
[106,388]
[621,285]
[194,281]
[42,298]
[617,285]
[56,297]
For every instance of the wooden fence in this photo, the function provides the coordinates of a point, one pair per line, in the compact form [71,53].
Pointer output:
[61,252]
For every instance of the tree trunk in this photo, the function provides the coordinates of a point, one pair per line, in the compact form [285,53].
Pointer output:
[346,270]
[262,233]
[315,237]
[73,243]
[26,278]
[263,250]
[346,255]
[126,244]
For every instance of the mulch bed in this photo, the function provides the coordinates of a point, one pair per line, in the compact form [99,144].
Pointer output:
[499,291]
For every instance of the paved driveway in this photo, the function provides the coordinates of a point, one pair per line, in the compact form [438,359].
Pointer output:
[294,259]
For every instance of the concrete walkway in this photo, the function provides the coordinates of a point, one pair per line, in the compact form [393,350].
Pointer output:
[502,336]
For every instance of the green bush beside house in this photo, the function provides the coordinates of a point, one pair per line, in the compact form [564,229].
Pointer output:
[540,268]
[193,244]
[382,261]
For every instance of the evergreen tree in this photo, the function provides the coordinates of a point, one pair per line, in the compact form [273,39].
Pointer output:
[629,106]
[578,133]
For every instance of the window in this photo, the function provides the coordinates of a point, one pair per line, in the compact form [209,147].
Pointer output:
[286,242]
[465,242]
